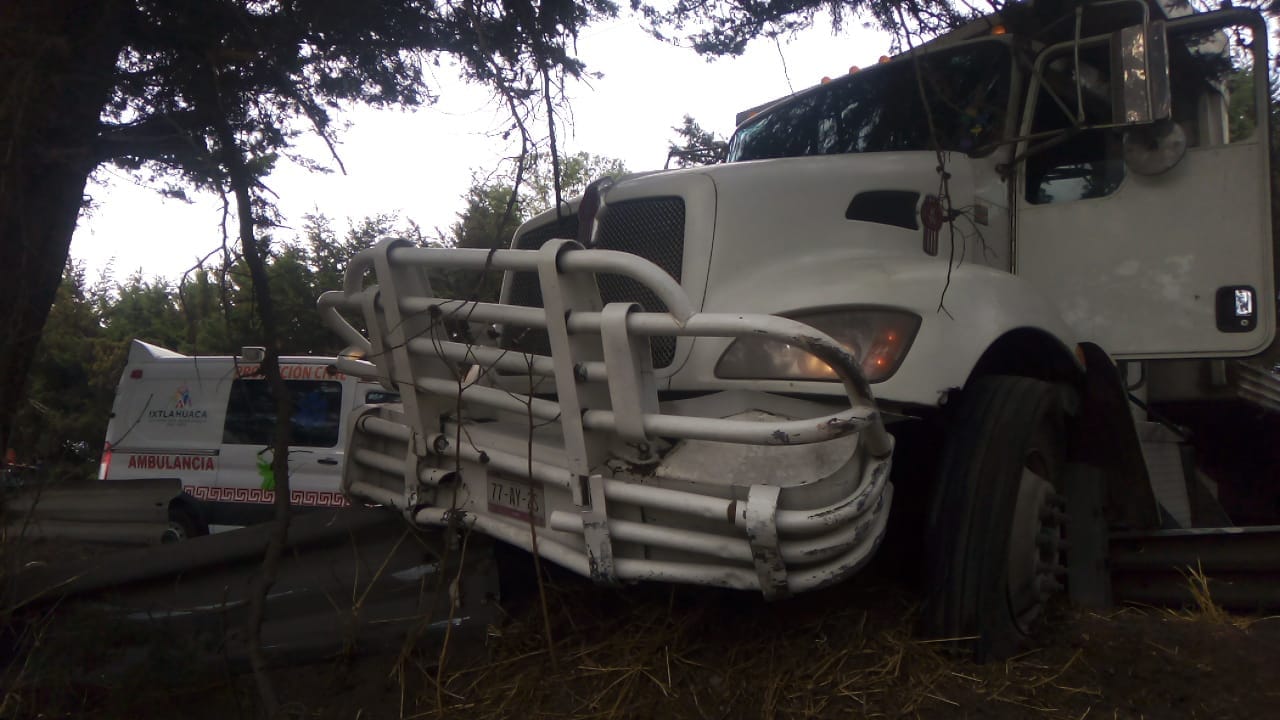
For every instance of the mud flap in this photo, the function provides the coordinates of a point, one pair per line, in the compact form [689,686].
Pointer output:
[1088,572]
[1104,436]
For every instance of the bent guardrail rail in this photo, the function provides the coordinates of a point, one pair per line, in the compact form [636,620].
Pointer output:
[574,456]
[126,512]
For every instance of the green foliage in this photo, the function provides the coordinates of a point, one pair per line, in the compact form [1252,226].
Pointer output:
[64,416]
[490,217]
[86,340]
[327,253]
[495,208]
[274,69]
[698,146]
[208,320]
[714,27]
[210,95]
[146,310]
[1241,116]
[489,220]
[577,171]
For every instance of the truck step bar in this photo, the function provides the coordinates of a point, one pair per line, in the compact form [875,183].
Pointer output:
[574,456]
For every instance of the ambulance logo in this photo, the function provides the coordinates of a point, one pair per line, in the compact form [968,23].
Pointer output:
[183,409]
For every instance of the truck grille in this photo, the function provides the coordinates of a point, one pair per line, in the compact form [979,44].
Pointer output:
[652,228]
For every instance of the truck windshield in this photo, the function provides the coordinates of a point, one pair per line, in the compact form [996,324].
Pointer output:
[880,109]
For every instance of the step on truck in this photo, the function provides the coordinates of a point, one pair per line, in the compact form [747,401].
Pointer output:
[964,261]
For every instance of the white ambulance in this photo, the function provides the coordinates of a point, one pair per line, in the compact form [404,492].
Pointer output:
[208,423]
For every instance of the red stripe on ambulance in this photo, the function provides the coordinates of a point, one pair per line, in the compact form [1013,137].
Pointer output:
[294,372]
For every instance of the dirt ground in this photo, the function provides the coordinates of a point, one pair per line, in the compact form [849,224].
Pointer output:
[660,652]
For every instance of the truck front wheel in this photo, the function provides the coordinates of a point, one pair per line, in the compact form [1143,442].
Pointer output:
[994,541]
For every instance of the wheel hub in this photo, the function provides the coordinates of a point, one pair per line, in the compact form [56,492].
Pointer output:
[1036,546]
[175,532]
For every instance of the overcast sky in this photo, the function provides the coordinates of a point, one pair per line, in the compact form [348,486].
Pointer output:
[420,163]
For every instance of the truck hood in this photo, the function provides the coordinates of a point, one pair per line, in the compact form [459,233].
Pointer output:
[776,219]
[747,225]
[790,235]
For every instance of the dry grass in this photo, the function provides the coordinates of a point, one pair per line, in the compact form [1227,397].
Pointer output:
[1205,609]
[849,652]
[683,653]
[17,639]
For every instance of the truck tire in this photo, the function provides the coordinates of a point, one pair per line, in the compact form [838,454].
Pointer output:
[994,541]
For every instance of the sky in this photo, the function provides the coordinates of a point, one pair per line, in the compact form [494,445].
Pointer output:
[419,163]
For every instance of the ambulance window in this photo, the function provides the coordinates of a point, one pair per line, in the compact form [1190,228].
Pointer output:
[251,413]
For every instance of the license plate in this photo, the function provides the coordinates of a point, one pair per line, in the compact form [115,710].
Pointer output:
[516,499]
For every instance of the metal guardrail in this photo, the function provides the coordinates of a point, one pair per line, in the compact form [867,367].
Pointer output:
[1257,384]
[1240,564]
[127,512]
[349,579]
[586,450]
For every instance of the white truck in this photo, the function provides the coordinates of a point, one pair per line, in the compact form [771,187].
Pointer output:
[206,423]
[677,384]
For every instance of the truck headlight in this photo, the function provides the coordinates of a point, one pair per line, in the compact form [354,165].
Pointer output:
[878,338]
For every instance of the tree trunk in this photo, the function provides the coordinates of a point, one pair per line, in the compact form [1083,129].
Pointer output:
[241,182]
[57,64]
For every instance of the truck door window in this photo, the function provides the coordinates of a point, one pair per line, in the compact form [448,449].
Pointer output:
[880,109]
[251,413]
[1212,84]
[1072,163]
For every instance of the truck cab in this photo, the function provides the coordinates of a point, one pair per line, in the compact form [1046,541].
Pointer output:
[936,263]
[986,186]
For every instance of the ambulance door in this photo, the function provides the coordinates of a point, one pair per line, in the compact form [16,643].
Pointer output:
[246,480]
[166,420]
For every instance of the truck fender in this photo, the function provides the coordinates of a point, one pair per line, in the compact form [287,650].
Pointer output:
[1101,432]
[1104,436]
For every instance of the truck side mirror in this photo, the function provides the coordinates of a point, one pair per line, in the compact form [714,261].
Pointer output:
[1140,62]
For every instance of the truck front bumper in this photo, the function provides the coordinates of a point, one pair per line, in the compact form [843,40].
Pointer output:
[573,455]
[780,519]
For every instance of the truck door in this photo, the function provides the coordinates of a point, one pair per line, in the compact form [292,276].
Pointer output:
[245,479]
[1154,241]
